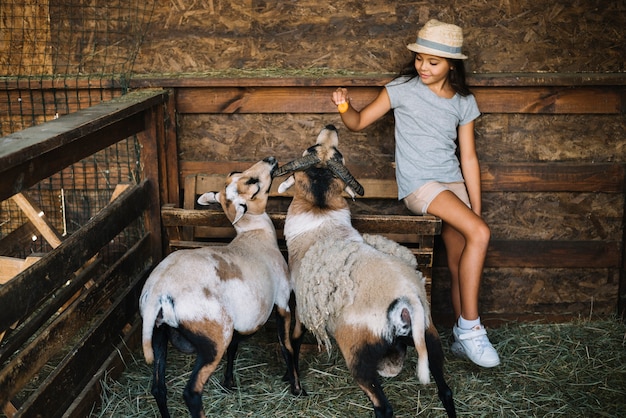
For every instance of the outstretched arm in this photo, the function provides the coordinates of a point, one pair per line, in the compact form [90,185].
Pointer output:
[357,120]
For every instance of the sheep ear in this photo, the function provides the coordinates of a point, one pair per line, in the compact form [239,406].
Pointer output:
[285,185]
[208,198]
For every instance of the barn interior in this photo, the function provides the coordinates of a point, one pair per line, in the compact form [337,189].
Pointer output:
[113,115]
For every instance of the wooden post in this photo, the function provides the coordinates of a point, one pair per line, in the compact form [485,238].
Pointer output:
[154,166]
[170,150]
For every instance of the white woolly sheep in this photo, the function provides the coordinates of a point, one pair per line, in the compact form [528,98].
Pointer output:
[365,291]
[207,300]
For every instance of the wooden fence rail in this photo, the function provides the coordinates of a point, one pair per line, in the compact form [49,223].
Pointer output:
[47,311]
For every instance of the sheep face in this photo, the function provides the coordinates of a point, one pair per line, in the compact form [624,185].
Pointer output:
[320,174]
[245,192]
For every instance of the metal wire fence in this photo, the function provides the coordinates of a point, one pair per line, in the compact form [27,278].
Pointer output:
[56,57]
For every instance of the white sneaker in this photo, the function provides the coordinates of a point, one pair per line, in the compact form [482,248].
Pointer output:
[474,345]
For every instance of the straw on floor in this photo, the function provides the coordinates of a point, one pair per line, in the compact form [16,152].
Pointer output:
[548,370]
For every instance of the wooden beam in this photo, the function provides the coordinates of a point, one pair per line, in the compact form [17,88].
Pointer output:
[36,153]
[307,99]
[553,177]
[422,225]
[30,326]
[110,370]
[38,218]
[154,163]
[554,254]
[496,177]
[546,254]
[9,267]
[121,282]
[12,244]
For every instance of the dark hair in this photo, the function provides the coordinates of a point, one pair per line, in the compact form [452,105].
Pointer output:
[456,76]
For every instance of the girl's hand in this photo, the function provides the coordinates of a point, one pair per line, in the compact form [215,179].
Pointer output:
[340,96]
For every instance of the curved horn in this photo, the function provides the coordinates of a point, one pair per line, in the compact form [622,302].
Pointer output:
[297,165]
[241,209]
[342,172]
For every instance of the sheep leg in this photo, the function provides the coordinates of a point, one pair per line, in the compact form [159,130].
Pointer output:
[229,380]
[292,375]
[436,358]
[363,353]
[231,354]
[158,390]
[297,337]
[210,347]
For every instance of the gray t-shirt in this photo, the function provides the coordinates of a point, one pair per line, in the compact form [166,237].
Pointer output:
[426,133]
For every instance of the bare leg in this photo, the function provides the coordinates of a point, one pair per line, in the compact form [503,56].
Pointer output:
[466,237]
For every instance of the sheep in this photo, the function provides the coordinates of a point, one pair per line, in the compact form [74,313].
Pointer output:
[206,300]
[364,291]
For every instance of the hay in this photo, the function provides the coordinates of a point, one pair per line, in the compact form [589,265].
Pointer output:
[548,370]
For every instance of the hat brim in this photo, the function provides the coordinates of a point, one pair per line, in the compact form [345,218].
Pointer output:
[421,49]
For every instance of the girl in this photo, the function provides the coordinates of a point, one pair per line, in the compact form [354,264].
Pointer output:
[433,108]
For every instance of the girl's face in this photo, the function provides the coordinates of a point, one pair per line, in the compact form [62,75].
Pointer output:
[431,68]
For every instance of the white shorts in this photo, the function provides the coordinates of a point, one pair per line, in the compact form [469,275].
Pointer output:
[418,201]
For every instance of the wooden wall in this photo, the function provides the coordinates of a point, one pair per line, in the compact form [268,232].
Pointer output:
[369,35]
[549,78]
[317,40]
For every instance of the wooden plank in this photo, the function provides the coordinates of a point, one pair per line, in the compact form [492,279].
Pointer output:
[554,254]
[13,243]
[153,164]
[550,100]
[12,266]
[38,219]
[496,177]
[9,268]
[307,99]
[170,149]
[202,183]
[54,145]
[111,369]
[553,177]
[546,254]
[28,289]
[56,393]
[52,305]
[40,97]
[422,225]
[28,360]
[133,265]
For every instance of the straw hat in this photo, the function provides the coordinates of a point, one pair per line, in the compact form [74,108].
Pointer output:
[440,39]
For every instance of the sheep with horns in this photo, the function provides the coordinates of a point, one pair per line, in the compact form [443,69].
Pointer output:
[363,291]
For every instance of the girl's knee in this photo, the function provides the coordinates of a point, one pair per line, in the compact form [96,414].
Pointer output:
[482,233]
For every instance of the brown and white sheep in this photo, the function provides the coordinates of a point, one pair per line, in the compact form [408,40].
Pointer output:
[206,300]
[365,293]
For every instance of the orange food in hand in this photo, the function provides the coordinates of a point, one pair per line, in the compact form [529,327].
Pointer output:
[343,107]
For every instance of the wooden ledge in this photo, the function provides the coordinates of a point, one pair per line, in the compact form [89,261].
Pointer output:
[371,223]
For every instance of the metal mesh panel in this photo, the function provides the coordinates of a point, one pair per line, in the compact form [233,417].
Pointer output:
[56,57]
